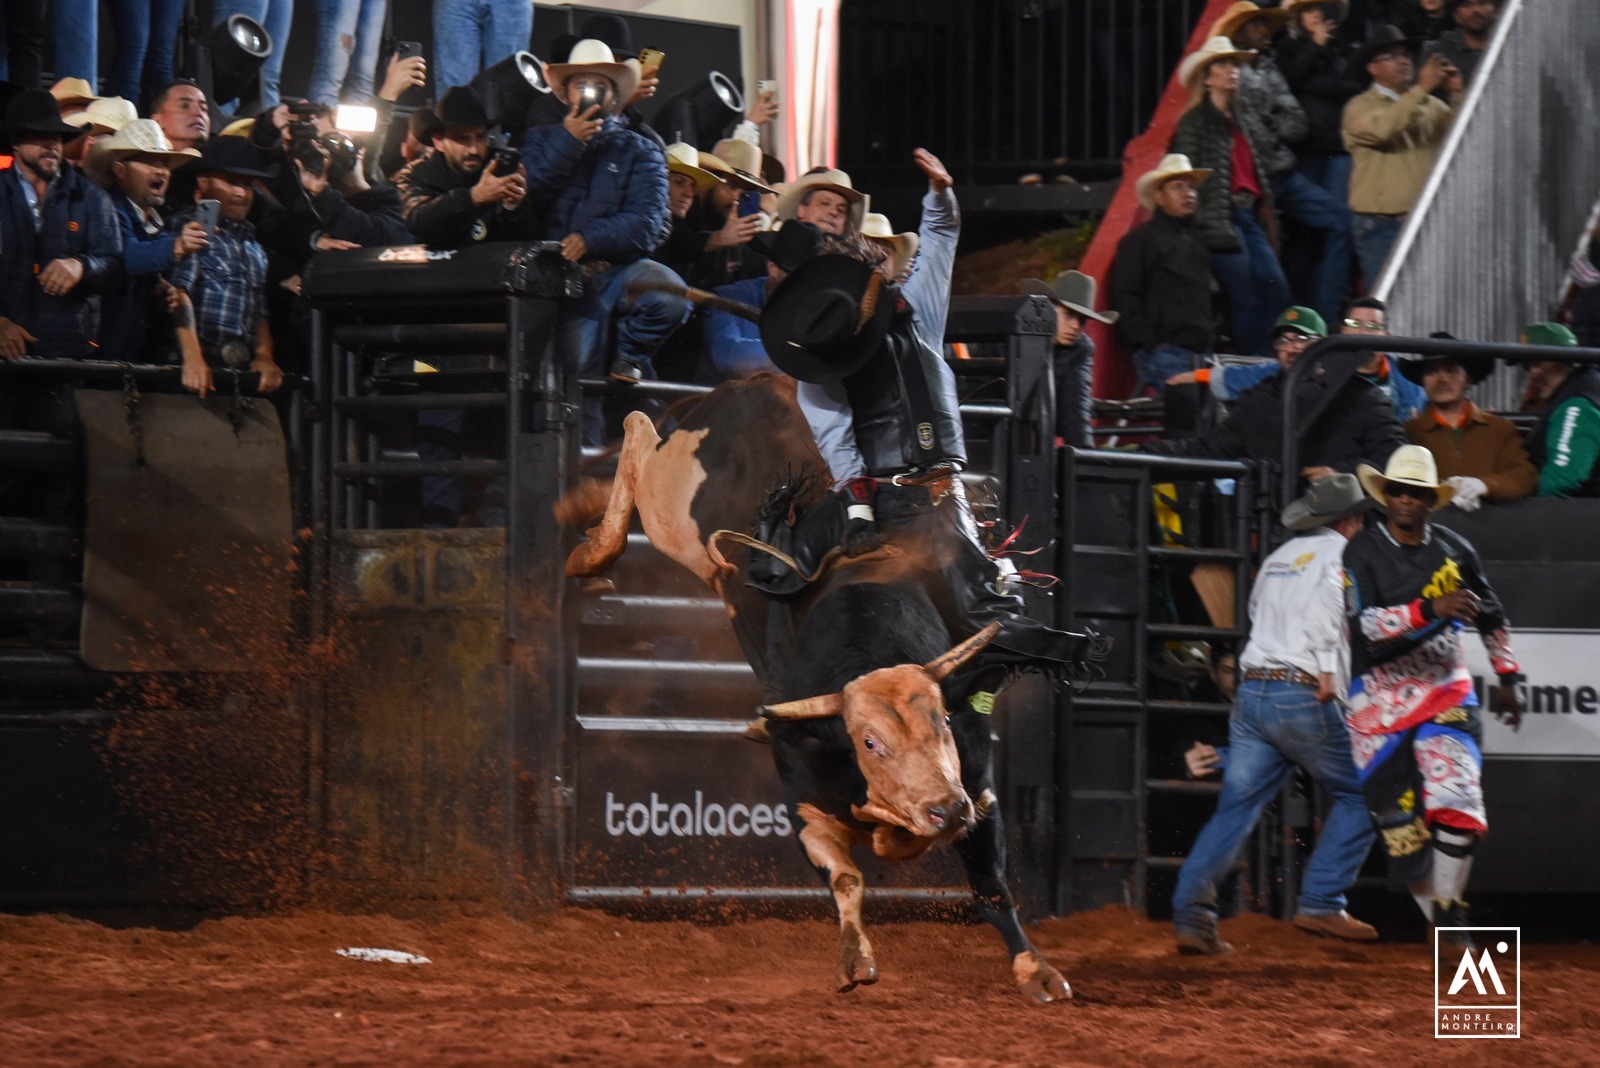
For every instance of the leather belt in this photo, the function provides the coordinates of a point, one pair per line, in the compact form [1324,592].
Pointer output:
[937,481]
[1280,675]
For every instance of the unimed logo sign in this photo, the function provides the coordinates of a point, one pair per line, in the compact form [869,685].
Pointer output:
[1477,993]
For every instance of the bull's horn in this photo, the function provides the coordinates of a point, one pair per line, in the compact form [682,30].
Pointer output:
[948,662]
[823,706]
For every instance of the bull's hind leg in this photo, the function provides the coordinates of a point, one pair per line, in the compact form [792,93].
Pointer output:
[983,851]
[607,539]
[827,843]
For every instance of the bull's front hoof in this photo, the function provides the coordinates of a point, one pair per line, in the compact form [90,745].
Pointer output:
[1037,980]
[856,966]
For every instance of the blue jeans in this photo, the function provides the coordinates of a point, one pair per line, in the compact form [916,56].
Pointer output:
[1253,279]
[1331,174]
[602,325]
[1375,235]
[348,35]
[469,35]
[1157,365]
[275,17]
[1298,197]
[1275,727]
[147,34]
[77,45]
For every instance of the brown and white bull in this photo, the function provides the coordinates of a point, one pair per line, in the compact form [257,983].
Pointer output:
[865,743]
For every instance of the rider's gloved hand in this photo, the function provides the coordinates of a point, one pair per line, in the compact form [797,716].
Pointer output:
[861,534]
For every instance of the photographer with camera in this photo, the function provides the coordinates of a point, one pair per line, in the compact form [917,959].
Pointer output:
[327,167]
[467,189]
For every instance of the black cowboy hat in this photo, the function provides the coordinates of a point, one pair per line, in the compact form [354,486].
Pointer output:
[424,124]
[614,30]
[461,106]
[827,319]
[1477,367]
[791,245]
[1383,39]
[34,111]
[234,155]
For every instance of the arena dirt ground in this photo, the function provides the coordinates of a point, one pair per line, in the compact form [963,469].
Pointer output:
[587,988]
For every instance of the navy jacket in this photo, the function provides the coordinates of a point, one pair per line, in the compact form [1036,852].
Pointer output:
[146,257]
[79,222]
[612,190]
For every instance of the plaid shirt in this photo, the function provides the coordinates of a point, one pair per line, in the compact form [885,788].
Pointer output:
[227,282]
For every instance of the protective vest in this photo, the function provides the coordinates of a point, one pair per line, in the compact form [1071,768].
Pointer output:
[1582,382]
[906,414]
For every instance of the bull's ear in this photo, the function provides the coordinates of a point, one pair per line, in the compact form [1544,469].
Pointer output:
[968,649]
[821,707]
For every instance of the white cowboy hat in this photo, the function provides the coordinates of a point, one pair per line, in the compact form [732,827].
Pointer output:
[1175,165]
[1411,465]
[1210,52]
[684,159]
[141,137]
[876,227]
[835,182]
[590,56]
[739,162]
[73,91]
[105,115]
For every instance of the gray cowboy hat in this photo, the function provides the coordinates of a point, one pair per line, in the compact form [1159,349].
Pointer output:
[1074,291]
[1328,500]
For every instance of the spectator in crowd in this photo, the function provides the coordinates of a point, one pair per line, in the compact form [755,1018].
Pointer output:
[1296,330]
[414,143]
[734,343]
[898,249]
[1294,668]
[277,18]
[732,213]
[135,164]
[1411,587]
[1585,308]
[1235,201]
[346,59]
[1393,132]
[102,118]
[61,245]
[617,34]
[226,281]
[473,35]
[1464,46]
[1161,285]
[22,50]
[687,181]
[400,75]
[1368,317]
[147,37]
[827,200]
[453,196]
[181,111]
[606,191]
[1073,296]
[1341,418]
[1271,117]
[1423,19]
[1565,443]
[1480,456]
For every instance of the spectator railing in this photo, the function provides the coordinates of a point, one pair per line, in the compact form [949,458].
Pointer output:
[1351,346]
[1486,249]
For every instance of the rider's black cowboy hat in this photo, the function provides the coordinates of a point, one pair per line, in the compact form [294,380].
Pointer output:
[826,319]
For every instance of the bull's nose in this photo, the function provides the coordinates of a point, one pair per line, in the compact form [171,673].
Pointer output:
[938,815]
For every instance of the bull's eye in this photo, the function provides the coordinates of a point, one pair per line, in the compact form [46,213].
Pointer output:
[947,723]
[869,743]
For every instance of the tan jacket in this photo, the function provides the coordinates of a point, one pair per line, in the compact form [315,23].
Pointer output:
[1392,146]
[1485,446]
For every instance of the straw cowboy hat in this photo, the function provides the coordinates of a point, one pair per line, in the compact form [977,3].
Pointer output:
[1217,48]
[1171,166]
[73,91]
[1229,21]
[141,137]
[1411,465]
[835,182]
[590,56]
[739,162]
[105,115]
[1328,500]
[684,159]
[1074,291]
[876,227]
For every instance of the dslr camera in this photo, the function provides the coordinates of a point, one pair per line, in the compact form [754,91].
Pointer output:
[503,158]
[304,141]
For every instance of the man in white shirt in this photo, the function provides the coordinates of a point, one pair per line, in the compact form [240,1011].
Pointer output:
[1285,716]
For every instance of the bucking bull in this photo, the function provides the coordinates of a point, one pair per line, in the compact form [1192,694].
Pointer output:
[865,742]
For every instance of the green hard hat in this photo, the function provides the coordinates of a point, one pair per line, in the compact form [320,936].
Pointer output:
[1301,320]
[1549,334]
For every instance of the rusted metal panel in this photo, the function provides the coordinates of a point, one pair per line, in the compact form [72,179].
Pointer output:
[187,542]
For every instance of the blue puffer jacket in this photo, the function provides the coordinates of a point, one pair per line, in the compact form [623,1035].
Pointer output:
[613,190]
[79,222]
